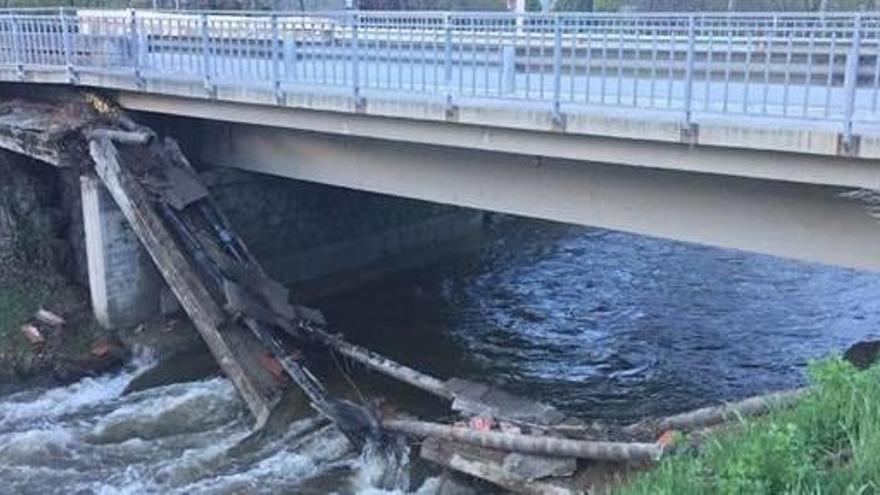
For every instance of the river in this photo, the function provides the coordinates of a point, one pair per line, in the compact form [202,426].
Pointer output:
[606,326]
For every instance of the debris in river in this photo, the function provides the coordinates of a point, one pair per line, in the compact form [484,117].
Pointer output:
[101,349]
[49,318]
[33,334]
[273,367]
[481,423]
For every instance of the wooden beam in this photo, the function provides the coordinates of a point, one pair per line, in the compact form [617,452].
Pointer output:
[531,444]
[715,415]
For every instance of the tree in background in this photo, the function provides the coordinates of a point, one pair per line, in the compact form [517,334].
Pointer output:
[532,5]
[432,4]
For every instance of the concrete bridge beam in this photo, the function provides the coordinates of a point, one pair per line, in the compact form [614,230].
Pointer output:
[798,220]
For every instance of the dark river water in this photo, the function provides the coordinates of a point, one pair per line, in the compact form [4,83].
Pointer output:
[603,325]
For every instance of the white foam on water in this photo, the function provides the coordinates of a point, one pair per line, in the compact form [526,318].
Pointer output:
[178,439]
[196,464]
[429,487]
[174,409]
[35,447]
[56,402]
[379,472]
[281,471]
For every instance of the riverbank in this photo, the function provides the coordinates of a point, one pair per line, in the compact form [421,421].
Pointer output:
[70,351]
[828,443]
[42,265]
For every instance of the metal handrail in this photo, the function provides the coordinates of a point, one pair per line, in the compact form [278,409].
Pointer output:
[822,66]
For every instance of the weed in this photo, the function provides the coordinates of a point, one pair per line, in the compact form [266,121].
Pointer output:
[828,444]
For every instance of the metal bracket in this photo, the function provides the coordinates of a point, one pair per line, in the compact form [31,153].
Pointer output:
[280,94]
[848,145]
[690,134]
[360,104]
[558,120]
[451,110]
[139,80]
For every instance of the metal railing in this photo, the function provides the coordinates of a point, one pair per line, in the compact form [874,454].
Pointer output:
[816,66]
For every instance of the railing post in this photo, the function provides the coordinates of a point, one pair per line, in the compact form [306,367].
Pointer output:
[356,60]
[206,54]
[67,43]
[447,61]
[557,70]
[18,57]
[689,74]
[135,44]
[851,80]
[275,48]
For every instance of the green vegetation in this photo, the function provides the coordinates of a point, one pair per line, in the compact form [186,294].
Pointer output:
[20,296]
[828,444]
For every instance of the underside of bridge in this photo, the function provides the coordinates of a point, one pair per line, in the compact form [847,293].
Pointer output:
[822,223]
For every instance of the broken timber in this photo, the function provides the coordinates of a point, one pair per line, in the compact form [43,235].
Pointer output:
[531,444]
[232,346]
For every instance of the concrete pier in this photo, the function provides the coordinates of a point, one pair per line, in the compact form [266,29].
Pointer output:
[124,284]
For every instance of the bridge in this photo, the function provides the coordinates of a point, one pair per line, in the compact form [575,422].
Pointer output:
[750,131]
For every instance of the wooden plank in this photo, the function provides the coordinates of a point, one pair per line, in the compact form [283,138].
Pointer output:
[234,348]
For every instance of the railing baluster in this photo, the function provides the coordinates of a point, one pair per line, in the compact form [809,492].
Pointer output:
[67,43]
[851,82]
[829,81]
[18,56]
[206,53]
[768,60]
[447,60]
[787,82]
[809,78]
[689,72]
[354,19]
[275,53]
[620,63]
[557,69]
[134,43]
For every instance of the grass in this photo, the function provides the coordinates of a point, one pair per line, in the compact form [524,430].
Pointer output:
[20,296]
[828,444]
